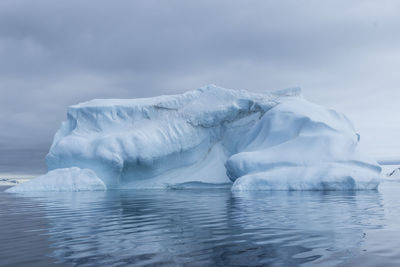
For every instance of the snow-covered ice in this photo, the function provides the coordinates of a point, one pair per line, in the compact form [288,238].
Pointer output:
[68,179]
[298,145]
[212,135]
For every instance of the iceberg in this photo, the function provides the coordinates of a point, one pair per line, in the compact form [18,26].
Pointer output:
[212,135]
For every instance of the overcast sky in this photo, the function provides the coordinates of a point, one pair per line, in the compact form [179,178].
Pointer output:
[344,54]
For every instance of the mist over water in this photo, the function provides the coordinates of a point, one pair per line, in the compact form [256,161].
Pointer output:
[200,227]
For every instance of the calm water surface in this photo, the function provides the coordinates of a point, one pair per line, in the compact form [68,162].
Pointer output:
[201,228]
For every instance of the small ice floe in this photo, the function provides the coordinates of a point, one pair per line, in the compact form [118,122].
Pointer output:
[66,179]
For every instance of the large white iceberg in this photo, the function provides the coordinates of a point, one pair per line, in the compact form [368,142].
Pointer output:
[212,135]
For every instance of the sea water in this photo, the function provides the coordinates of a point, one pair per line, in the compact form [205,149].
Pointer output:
[201,227]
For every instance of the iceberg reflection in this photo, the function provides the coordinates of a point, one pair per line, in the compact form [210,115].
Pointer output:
[208,227]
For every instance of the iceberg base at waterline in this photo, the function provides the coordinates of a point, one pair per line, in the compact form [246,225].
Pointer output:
[209,136]
[68,179]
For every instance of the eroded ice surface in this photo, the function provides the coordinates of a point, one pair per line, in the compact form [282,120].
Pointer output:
[212,135]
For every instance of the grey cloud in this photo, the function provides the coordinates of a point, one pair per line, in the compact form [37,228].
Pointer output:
[155,35]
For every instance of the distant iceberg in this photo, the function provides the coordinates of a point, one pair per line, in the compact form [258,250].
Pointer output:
[212,135]
[393,175]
